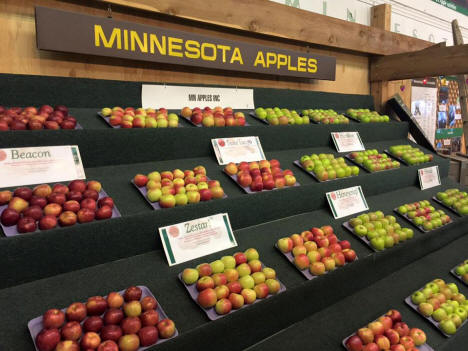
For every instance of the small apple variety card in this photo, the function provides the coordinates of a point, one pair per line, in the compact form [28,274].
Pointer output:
[316,251]
[442,305]
[230,283]
[387,330]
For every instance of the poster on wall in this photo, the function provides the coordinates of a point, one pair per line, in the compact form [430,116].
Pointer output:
[424,105]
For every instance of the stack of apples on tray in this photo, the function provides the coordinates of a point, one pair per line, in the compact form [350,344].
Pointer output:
[326,167]
[261,175]
[454,199]
[230,283]
[325,116]
[122,321]
[214,117]
[140,117]
[423,215]
[316,251]
[461,271]
[377,230]
[280,116]
[32,118]
[177,187]
[44,207]
[365,115]
[372,161]
[388,332]
[411,155]
[442,304]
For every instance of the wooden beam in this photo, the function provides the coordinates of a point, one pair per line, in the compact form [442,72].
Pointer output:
[274,19]
[436,61]
[380,18]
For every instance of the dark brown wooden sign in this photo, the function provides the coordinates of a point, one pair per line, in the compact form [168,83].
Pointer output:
[64,31]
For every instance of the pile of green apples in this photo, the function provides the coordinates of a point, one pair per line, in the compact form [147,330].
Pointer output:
[411,155]
[382,231]
[462,271]
[327,167]
[231,282]
[456,199]
[325,116]
[443,303]
[365,115]
[280,116]
[424,215]
[373,161]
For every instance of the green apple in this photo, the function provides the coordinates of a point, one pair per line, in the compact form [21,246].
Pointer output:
[461,312]
[409,232]
[378,243]
[418,298]
[243,269]
[229,262]
[433,286]
[251,254]
[448,308]
[453,287]
[448,327]
[154,195]
[190,276]
[269,273]
[389,241]
[217,266]
[247,282]
[439,314]
[258,277]
[360,230]
[402,209]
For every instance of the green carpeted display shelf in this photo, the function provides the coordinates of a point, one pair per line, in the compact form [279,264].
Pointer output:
[57,267]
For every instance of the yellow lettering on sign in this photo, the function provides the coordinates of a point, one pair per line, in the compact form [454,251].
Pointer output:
[282,60]
[125,39]
[175,44]
[260,59]
[161,45]
[206,57]
[301,64]
[291,68]
[192,49]
[312,65]
[135,38]
[237,56]
[270,59]
[223,49]
[100,36]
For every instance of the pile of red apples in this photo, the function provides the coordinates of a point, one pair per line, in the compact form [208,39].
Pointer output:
[261,175]
[44,207]
[32,118]
[216,117]
[317,250]
[109,323]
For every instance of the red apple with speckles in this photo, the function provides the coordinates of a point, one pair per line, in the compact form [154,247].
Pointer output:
[150,317]
[96,305]
[76,312]
[132,293]
[71,331]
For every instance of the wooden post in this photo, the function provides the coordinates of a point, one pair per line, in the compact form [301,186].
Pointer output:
[382,90]
[462,88]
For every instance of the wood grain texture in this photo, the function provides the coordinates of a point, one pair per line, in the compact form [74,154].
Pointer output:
[271,18]
[20,55]
[430,62]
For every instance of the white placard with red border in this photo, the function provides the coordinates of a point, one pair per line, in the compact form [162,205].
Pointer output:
[196,238]
[347,141]
[237,150]
[178,97]
[345,202]
[429,177]
[43,164]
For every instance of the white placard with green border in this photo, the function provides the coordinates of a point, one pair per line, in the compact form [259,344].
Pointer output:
[196,238]
[345,202]
[347,141]
[429,177]
[237,150]
[42,164]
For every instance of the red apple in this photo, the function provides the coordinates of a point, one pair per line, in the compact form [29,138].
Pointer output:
[149,317]
[60,188]
[67,218]
[67,345]
[85,215]
[366,335]
[96,305]
[108,345]
[166,328]
[131,325]
[394,315]
[129,342]
[92,194]
[53,319]
[148,303]
[57,198]
[9,217]
[38,201]
[132,293]
[104,212]
[26,225]
[77,185]
[148,335]
[90,340]
[76,312]
[113,316]
[47,222]
[93,324]
[106,201]
[75,195]
[114,300]
[47,339]
[24,193]
[71,331]
[240,258]
[88,203]
[53,210]
[111,332]
[393,336]
[71,205]
[354,343]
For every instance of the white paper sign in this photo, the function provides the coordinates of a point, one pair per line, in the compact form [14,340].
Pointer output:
[429,177]
[347,141]
[43,164]
[345,202]
[236,150]
[177,97]
[200,237]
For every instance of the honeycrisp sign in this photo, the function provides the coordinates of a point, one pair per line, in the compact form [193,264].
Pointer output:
[64,31]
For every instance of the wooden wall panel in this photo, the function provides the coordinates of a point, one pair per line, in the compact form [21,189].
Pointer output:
[19,54]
